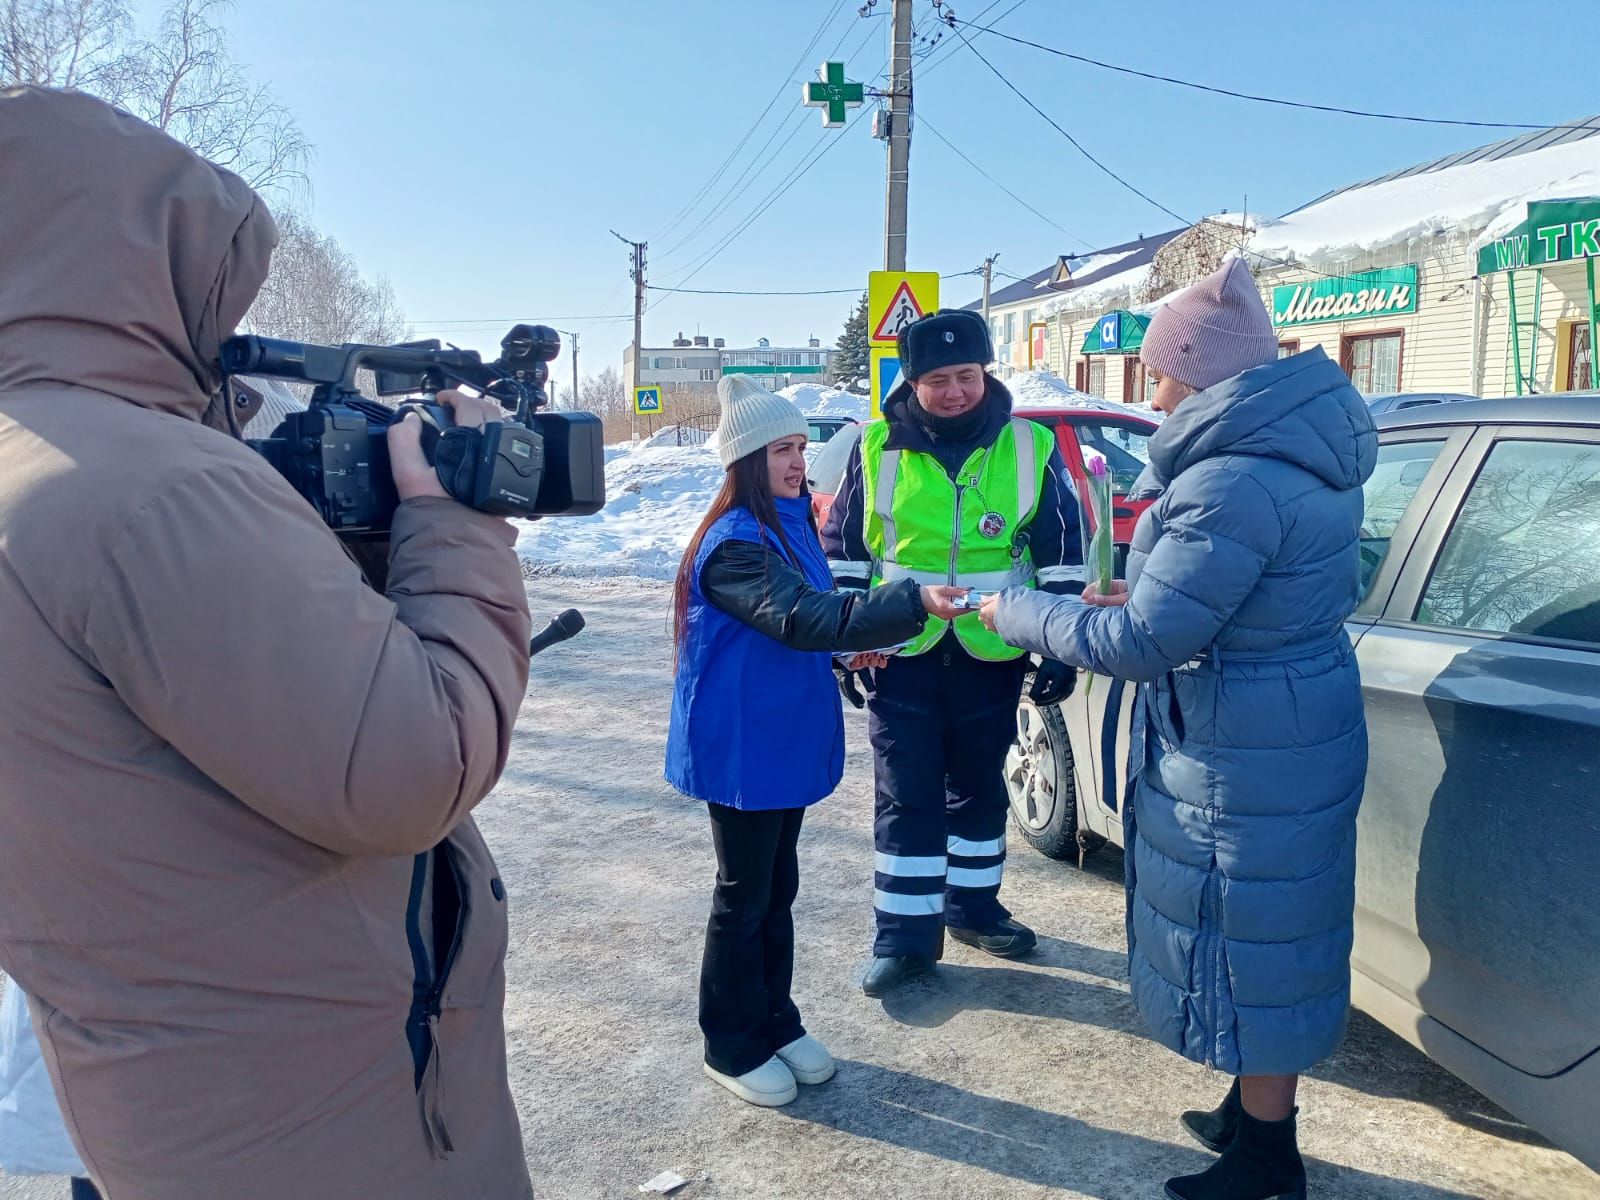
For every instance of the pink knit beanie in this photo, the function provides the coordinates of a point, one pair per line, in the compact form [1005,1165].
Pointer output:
[1212,330]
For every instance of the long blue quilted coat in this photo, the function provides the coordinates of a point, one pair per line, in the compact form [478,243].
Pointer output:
[1250,746]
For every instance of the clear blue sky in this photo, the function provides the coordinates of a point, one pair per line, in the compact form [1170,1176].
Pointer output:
[478,153]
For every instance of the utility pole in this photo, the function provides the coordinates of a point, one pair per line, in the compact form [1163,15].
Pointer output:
[894,225]
[572,335]
[637,274]
[574,404]
[988,277]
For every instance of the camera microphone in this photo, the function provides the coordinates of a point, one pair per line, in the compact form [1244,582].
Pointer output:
[568,624]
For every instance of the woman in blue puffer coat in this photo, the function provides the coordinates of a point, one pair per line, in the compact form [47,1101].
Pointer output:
[1250,746]
[757,729]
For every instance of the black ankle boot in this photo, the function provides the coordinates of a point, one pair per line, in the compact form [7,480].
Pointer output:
[1215,1129]
[1262,1163]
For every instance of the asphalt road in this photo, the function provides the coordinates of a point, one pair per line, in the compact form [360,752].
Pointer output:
[1002,1080]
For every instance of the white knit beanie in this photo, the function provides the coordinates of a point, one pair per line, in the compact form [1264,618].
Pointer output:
[752,417]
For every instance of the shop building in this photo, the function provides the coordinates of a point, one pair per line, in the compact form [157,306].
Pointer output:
[1472,273]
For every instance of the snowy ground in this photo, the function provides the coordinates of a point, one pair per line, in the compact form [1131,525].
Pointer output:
[999,1081]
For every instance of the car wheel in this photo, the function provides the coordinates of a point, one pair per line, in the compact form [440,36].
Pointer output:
[1044,800]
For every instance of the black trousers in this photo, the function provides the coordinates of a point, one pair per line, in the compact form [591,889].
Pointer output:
[941,724]
[746,1013]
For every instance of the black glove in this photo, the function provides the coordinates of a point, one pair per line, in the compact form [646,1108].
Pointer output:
[852,684]
[1052,682]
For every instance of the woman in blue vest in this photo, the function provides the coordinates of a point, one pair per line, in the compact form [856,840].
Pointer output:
[1250,741]
[757,727]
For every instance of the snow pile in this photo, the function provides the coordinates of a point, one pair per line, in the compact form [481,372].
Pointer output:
[817,400]
[1481,198]
[656,497]
[675,435]
[1045,389]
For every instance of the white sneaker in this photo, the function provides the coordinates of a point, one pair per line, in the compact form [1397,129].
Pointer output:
[808,1059]
[769,1085]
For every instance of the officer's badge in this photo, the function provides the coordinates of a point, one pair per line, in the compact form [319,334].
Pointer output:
[991,525]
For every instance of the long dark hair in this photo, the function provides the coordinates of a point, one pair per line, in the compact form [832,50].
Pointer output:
[747,485]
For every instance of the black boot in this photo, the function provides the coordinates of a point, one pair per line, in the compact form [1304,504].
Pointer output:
[1262,1163]
[884,974]
[1009,938]
[1215,1129]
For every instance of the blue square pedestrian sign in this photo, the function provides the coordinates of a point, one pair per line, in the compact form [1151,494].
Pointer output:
[648,400]
[885,374]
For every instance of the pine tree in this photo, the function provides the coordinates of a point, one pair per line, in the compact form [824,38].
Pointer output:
[852,356]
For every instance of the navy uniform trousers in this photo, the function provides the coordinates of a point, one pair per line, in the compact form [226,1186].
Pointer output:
[940,725]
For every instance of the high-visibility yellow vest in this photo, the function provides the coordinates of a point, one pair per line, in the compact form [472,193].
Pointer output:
[922,525]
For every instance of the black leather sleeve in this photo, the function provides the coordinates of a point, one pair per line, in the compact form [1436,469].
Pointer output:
[755,585]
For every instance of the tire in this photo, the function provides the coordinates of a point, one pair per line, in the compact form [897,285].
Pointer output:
[1044,798]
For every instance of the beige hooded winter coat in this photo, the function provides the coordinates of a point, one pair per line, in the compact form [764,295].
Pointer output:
[222,757]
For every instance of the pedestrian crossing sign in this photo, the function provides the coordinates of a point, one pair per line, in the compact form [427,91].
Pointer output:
[897,298]
[648,400]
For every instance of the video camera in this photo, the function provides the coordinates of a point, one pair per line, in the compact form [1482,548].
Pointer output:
[336,453]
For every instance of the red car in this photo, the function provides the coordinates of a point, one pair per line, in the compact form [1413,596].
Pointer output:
[1119,434]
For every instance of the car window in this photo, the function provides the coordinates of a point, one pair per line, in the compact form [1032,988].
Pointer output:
[1402,466]
[1524,554]
[1126,450]
[822,431]
[828,467]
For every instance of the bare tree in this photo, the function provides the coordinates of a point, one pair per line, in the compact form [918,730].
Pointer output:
[183,81]
[315,293]
[65,44]
[606,396]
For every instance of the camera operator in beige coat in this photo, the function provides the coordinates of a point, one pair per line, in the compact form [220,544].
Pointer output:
[225,762]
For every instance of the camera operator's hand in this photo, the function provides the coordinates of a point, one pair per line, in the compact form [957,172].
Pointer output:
[413,476]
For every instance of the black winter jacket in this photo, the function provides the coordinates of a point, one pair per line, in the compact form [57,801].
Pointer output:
[756,586]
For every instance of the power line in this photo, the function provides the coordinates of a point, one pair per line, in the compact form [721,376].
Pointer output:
[818,151]
[1077,145]
[1220,91]
[1198,226]
[485,322]
[771,198]
[929,125]
[796,123]
[727,292]
[849,291]
[816,37]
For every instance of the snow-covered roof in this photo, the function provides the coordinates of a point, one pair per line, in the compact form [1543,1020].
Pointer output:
[1089,272]
[1476,193]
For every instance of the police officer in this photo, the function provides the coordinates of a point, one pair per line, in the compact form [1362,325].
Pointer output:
[950,488]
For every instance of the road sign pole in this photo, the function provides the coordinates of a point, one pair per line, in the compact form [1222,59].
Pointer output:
[894,225]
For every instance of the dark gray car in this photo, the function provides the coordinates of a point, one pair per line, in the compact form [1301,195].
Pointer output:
[1380,406]
[1478,877]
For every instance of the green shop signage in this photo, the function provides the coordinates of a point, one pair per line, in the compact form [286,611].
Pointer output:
[1383,293]
[1555,231]
[1117,332]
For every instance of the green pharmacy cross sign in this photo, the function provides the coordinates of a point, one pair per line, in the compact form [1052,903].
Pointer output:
[833,95]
